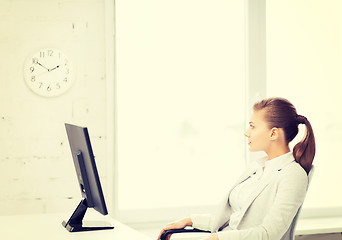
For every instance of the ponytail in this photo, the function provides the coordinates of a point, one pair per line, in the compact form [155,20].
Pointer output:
[281,113]
[304,151]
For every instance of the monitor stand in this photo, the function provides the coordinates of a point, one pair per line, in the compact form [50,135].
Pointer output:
[75,223]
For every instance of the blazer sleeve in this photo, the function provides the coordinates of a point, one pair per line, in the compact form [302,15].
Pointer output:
[211,222]
[202,221]
[291,192]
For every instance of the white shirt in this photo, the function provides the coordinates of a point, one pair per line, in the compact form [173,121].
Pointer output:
[239,196]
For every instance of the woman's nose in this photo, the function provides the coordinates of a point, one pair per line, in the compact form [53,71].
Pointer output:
[247,133]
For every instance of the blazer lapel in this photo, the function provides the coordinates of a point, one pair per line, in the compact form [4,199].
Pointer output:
[247,174]
[268,178]
[223,211]
[271,173]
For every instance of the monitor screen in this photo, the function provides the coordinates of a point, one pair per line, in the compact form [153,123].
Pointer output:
[88,179]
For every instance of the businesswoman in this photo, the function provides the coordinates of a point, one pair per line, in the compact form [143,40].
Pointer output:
[265,199]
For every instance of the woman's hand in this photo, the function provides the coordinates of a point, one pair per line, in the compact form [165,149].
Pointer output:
[176,225]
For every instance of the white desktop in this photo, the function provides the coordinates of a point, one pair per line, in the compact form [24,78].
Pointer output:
[49,226]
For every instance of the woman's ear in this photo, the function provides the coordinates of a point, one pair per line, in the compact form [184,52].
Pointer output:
[274,133]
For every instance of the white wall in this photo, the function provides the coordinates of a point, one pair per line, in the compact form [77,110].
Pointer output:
[36,169]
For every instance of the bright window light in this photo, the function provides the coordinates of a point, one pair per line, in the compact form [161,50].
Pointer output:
[180,78]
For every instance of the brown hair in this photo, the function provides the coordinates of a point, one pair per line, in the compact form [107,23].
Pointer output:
[280,113]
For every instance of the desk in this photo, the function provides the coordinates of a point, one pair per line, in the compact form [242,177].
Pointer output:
[49,226]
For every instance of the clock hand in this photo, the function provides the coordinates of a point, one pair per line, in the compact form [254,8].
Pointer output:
[53,68]
[42,73]
[43,66]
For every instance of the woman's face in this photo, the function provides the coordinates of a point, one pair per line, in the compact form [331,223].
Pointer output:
[258,133]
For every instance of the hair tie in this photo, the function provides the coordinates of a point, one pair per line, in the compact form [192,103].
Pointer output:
[301,119]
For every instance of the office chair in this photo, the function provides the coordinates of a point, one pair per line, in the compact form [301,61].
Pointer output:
[289,235]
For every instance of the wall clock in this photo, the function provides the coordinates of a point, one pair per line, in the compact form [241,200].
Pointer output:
[48,72]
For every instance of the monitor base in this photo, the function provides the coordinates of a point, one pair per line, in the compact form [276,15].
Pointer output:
[75,223]
[81,228]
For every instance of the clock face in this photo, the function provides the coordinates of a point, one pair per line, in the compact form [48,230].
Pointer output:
[48,72]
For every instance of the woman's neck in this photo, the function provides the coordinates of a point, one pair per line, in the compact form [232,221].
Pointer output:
[274,153]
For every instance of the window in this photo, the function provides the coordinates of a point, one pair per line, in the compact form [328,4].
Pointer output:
[304,65]
[181,96]
[180,84]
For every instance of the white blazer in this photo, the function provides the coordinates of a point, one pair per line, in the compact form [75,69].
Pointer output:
[270,209]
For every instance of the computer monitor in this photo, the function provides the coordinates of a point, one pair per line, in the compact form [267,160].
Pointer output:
[88,179]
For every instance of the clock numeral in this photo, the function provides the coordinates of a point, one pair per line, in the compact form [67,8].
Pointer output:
[32,69]
[42,54]
[40,84]
[50,52]
[48,88]
[65,79]
[58,86]
[33,78]
[34,60]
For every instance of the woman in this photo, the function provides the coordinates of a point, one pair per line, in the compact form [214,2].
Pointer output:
[266,198]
